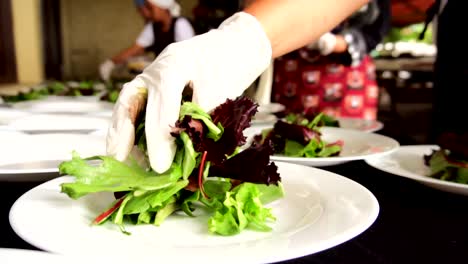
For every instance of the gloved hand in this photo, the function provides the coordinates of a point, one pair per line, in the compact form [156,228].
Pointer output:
[326,43]
[219,64]
[105,69]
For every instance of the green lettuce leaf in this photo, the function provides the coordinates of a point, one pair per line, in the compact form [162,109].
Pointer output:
[195,111]
[113,176]
[443,169]
[242,208]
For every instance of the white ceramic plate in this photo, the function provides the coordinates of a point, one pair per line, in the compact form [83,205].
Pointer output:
[68,106]
[42,123]
[35,157]
[20,256]
[8,114]
[408,162]
[104,114]
[360,124]
[358,145]
[85,98]
[263,118]
[271,108]
[320,210]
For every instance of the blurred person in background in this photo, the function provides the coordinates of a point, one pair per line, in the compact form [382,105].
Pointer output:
[142,10]
[335,74]
[164,26]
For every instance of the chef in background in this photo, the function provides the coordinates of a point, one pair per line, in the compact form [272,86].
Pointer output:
[164,26]
[142,10]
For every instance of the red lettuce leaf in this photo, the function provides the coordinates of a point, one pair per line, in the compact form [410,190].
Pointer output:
[194,128]
[251,165]
[234,116]
[298,133]
[282,131]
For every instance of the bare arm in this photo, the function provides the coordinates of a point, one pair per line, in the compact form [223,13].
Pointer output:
[124,55]
[291,24]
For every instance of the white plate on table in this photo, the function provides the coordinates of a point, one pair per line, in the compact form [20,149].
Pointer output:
[20,256]
[320,210]
[358,145]
[360,124]
[263,118]
[68,106]
[43,123]
[25,157]
[408,162]
[84,98]
[7,115]
[271,108]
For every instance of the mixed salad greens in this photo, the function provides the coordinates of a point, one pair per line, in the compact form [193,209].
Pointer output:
[450,162]
[298,136]
[208,170]
[307,117]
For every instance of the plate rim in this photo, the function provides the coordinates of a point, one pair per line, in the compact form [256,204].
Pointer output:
[27,106]
[12,126]
[14,175]
[380,124]
[350,233]
[414,176]
[340,159]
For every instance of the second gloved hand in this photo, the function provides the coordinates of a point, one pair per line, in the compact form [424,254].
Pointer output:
[217,65]
[326,44]
[105,69]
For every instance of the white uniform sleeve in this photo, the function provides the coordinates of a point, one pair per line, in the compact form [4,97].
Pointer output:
[146,37]
[183,30]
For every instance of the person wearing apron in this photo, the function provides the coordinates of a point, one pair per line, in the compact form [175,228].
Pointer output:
[335,75]
[164,27]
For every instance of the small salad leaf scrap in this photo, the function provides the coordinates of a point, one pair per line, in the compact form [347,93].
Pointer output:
[450,162]
[208,170]
[299,137]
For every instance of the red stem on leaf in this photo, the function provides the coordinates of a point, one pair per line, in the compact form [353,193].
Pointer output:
[200,174]
[455,162]
[107,213]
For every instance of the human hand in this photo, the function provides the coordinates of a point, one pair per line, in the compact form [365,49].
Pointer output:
[217,65]
[105,69]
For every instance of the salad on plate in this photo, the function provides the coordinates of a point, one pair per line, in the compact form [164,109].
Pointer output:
[298,136]
[209,172]
[450,161]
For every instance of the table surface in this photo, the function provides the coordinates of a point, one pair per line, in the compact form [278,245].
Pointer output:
[416,224]
[422,64]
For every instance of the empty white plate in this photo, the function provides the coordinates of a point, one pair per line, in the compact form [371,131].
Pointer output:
[35,157]
[69,106]
[41,123]
[8,115]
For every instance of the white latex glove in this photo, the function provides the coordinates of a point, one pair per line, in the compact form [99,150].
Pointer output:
[105,69]
[218,65]
[326,43]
